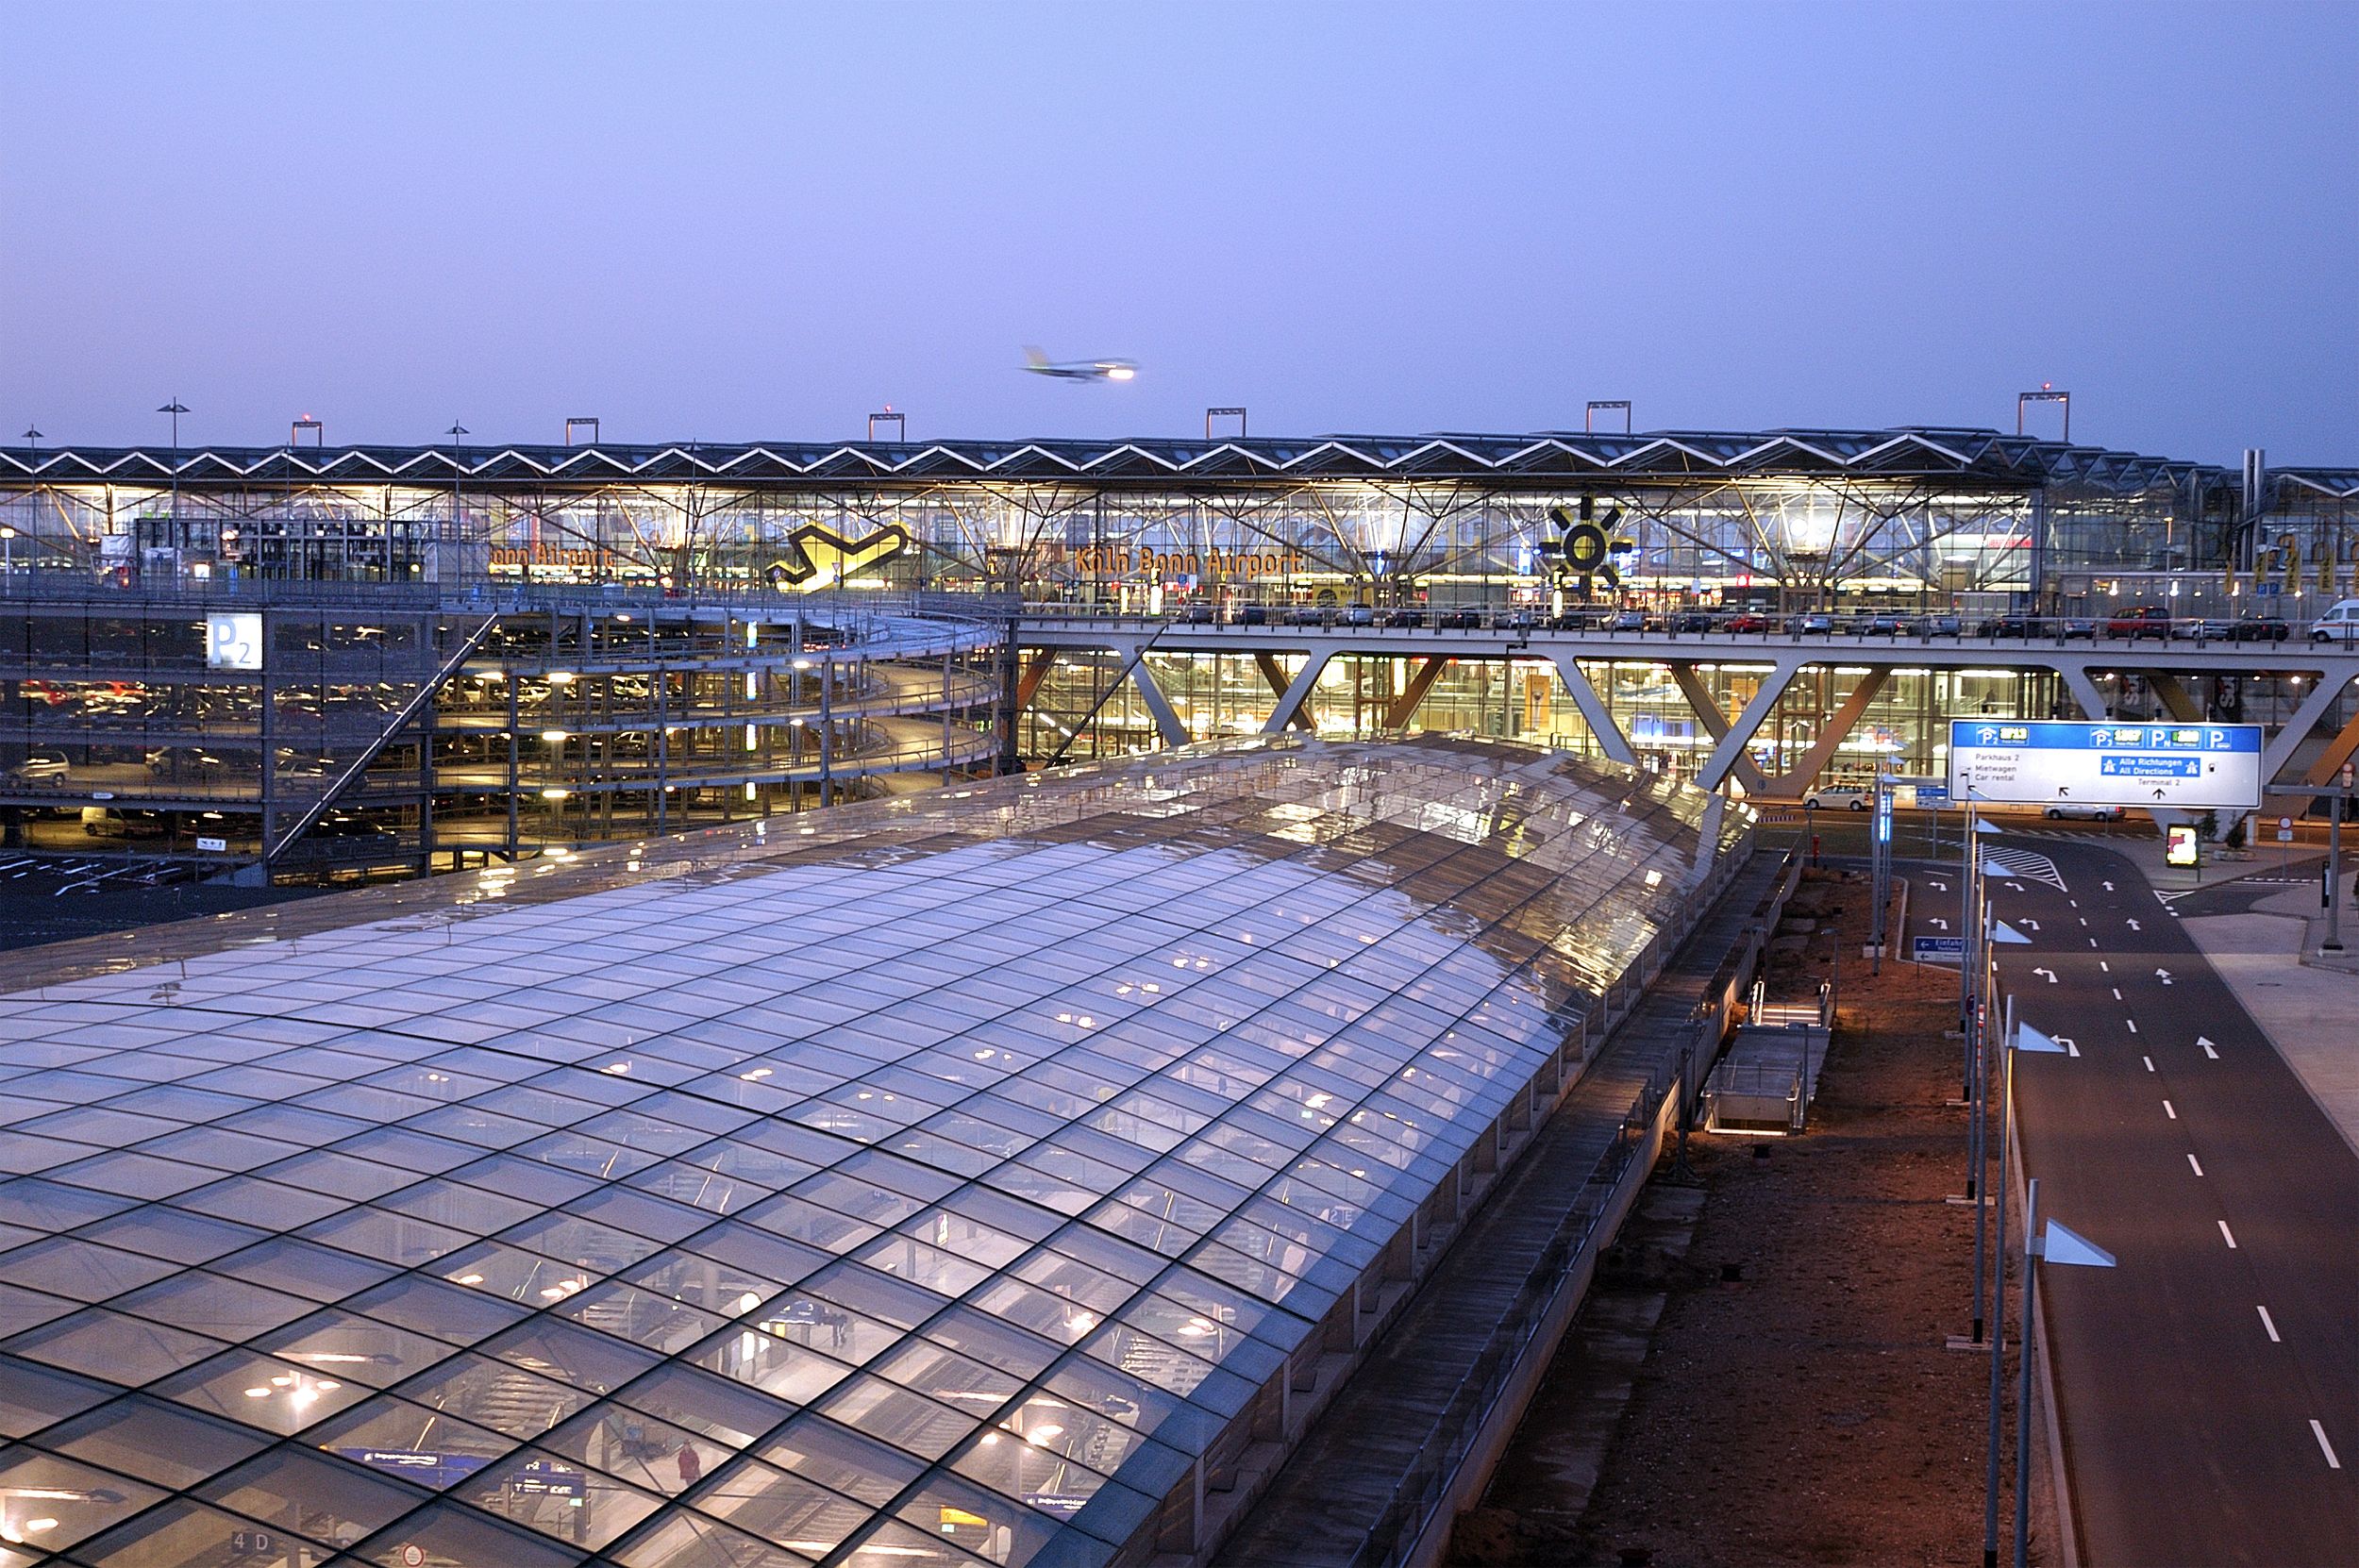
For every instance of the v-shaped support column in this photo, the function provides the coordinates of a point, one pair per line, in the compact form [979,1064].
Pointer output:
[1420,682]
[2314,708]
[1159,707]
[2337,752]
[1291,695]
[1595,713]
[1727,753]
[1807,767]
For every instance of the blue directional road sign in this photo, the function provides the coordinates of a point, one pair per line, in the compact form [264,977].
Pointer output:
[2183,766]
[1937,950]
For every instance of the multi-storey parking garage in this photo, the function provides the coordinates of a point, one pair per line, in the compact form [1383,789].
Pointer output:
[589,602]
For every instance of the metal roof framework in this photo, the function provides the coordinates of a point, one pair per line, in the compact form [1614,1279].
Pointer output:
[1962,455]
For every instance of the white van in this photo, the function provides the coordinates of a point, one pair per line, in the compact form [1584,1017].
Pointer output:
[2339,623]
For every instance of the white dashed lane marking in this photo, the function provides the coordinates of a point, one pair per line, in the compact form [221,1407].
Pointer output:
[2134,1025]
[2268,1323]
[2227,1235]
[2168,1111]
[2319,1432]
[2193,1165]
[2150,1062]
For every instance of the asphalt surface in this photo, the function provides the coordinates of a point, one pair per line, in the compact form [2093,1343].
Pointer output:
[2208,1387]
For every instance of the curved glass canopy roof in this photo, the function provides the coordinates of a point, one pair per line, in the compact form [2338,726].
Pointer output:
[940,1181]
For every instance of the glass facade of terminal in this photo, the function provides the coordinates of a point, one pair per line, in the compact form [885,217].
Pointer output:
[1782,517]
[946,1181]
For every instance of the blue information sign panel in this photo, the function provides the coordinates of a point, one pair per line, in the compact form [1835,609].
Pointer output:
[2187,766]
[1937,949]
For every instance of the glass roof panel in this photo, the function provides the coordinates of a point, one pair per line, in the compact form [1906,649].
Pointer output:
[943,1184]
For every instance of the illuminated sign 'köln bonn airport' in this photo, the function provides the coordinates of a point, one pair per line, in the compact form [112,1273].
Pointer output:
[2189,766]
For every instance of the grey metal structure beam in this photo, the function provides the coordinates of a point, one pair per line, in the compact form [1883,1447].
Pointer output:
[1159,707]
[1594,711]
[1296,693]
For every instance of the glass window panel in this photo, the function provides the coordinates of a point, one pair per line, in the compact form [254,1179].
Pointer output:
[449,1532]
[890,1541]
[164,1233]
[428,1447]
[817,1323]
[250,1200]
[495,1394]
[692,1541]
[726,1413]
[380,1233]
[984,1523]
[278,1396]
[641,1317]
[893,1413]
[155,1442]
[777,1365]
[305,1492]
[302,1268]
[840,1460]
[460,1207]
[82,1270]
[347,1346]
[75,1500]
[529,1179]
[788,1509]
[228,1309]
[935,1268]
[808,1222]
[543,1491]
[111,1345]
[428,1306]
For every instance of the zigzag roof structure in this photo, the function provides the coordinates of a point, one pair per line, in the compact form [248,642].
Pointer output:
[1925,453]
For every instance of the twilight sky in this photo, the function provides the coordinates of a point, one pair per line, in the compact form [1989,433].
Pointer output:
[723,222]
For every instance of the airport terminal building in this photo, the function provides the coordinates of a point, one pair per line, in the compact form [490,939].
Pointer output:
[468,651]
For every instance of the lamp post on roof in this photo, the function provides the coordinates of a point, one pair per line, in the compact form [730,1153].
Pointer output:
[176,408]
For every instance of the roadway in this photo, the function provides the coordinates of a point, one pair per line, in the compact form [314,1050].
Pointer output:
[2208,1388]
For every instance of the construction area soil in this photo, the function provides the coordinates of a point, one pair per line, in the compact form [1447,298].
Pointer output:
[1759,1375]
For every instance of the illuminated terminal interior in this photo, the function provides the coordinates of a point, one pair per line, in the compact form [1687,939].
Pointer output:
[965,1178]
[478,652]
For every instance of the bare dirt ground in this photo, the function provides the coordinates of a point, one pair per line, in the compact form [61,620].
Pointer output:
[1805,1410]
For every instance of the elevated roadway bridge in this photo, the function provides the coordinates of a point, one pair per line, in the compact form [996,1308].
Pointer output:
[1769,711]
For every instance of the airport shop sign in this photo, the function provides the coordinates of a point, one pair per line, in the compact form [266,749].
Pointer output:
[2182,766]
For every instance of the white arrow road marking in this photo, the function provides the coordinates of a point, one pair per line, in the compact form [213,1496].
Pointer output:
[2324,1447]
[1938,921]
[2168,1111]
[2109,887]
[2049,973]
[2150,1062]
[2268,1323]
[2133,925]
[2195,1164]
[2070,1049]
[2227,1235]
[2163,974]
[1937,887]
[2027,925]
[2207,1047]
[2015,887]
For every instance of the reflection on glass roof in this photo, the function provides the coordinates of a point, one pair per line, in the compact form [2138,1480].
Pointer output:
[932,1183]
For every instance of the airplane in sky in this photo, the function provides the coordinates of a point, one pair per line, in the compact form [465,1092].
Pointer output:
[1080,370]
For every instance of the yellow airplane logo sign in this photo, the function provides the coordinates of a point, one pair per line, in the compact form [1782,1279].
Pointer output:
[821,557]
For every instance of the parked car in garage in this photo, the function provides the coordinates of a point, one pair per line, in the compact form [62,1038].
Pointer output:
[2261,626]
[2137,621]
[2339,623]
